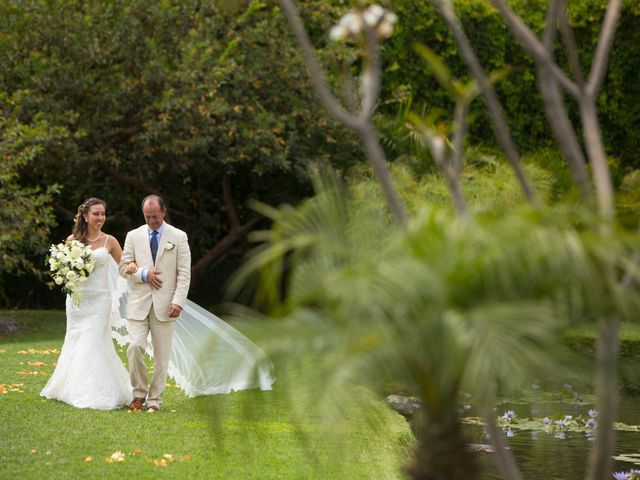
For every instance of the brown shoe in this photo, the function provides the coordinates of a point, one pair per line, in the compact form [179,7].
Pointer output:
[153,409]
[136,404]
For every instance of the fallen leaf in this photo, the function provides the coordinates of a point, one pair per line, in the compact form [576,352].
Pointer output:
[116,456]
[34,450]
[88,458]
[168,456]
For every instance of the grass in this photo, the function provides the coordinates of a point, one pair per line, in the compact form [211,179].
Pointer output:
[250,434]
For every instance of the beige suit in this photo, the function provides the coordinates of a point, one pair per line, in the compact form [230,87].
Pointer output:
[147,309]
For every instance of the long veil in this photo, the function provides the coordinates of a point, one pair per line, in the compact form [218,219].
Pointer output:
[208,355]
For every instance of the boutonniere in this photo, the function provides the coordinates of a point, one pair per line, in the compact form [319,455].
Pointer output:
[169,246]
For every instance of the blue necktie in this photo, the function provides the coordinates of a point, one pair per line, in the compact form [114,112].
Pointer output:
[154,245]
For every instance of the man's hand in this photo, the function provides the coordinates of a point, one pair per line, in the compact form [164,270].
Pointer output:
[131,268]
[174,310]
[153,279]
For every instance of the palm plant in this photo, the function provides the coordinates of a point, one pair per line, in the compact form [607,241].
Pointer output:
[446,304]
[449,305]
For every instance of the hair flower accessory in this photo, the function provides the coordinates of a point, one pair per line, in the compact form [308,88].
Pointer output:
[169,246]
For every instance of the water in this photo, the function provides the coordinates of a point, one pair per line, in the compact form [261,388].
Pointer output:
[544,456]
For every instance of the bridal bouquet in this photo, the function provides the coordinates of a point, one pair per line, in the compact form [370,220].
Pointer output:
[70,264]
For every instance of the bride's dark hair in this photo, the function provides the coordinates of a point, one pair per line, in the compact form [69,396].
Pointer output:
[80,229]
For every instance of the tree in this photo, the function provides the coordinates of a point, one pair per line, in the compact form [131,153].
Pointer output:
[176,98]
[26,216]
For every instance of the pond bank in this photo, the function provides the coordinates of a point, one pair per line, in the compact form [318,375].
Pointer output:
[582,340]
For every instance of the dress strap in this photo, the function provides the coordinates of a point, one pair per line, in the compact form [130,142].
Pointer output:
[106,240]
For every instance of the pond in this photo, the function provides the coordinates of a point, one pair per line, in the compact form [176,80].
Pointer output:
[555,454]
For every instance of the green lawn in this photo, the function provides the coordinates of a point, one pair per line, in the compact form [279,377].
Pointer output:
[250,434]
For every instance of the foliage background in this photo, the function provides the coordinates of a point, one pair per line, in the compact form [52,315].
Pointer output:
[124,98]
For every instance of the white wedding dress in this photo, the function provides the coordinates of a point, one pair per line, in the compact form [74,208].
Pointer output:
[89,373]
[208,356]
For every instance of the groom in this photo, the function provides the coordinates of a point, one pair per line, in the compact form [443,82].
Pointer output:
[158,294]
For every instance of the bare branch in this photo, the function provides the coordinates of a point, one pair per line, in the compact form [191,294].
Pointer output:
[601,458]
[376,156]
[499,124]
[571,48]
[232,214]
[137,184]
[549,35]
[371,76]
[350,95]
[555,110]
[459,132]
[504,458]
[314,68]
[220,248]
[601,57]
[236,232]
[532,45]
[563,131]
[597,157]
[370,90]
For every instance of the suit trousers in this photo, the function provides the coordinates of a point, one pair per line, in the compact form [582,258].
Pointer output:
[161,338]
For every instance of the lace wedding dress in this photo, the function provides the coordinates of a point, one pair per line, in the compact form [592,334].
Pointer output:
[89,373]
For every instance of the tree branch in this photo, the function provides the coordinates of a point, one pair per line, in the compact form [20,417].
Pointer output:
[571,48]
[315,70]
[504,458]
[229,206]
[361,122]
[499,124]
[220,248]
[555,110]
[371,75]
[532,45]
[601,57]
[601,458]
[142,187]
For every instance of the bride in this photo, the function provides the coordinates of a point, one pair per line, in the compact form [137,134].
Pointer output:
[208,356]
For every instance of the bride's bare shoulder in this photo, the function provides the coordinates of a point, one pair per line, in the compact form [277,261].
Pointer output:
[112,241]
[69,238]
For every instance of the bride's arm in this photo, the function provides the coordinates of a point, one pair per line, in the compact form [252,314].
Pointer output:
[114,248]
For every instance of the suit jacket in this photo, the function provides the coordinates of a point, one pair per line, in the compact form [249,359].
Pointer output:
[173,261]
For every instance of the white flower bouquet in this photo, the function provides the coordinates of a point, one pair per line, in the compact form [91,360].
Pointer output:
[70,264]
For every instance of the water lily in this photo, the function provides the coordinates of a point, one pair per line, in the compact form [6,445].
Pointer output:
[509,415]
[593,413]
